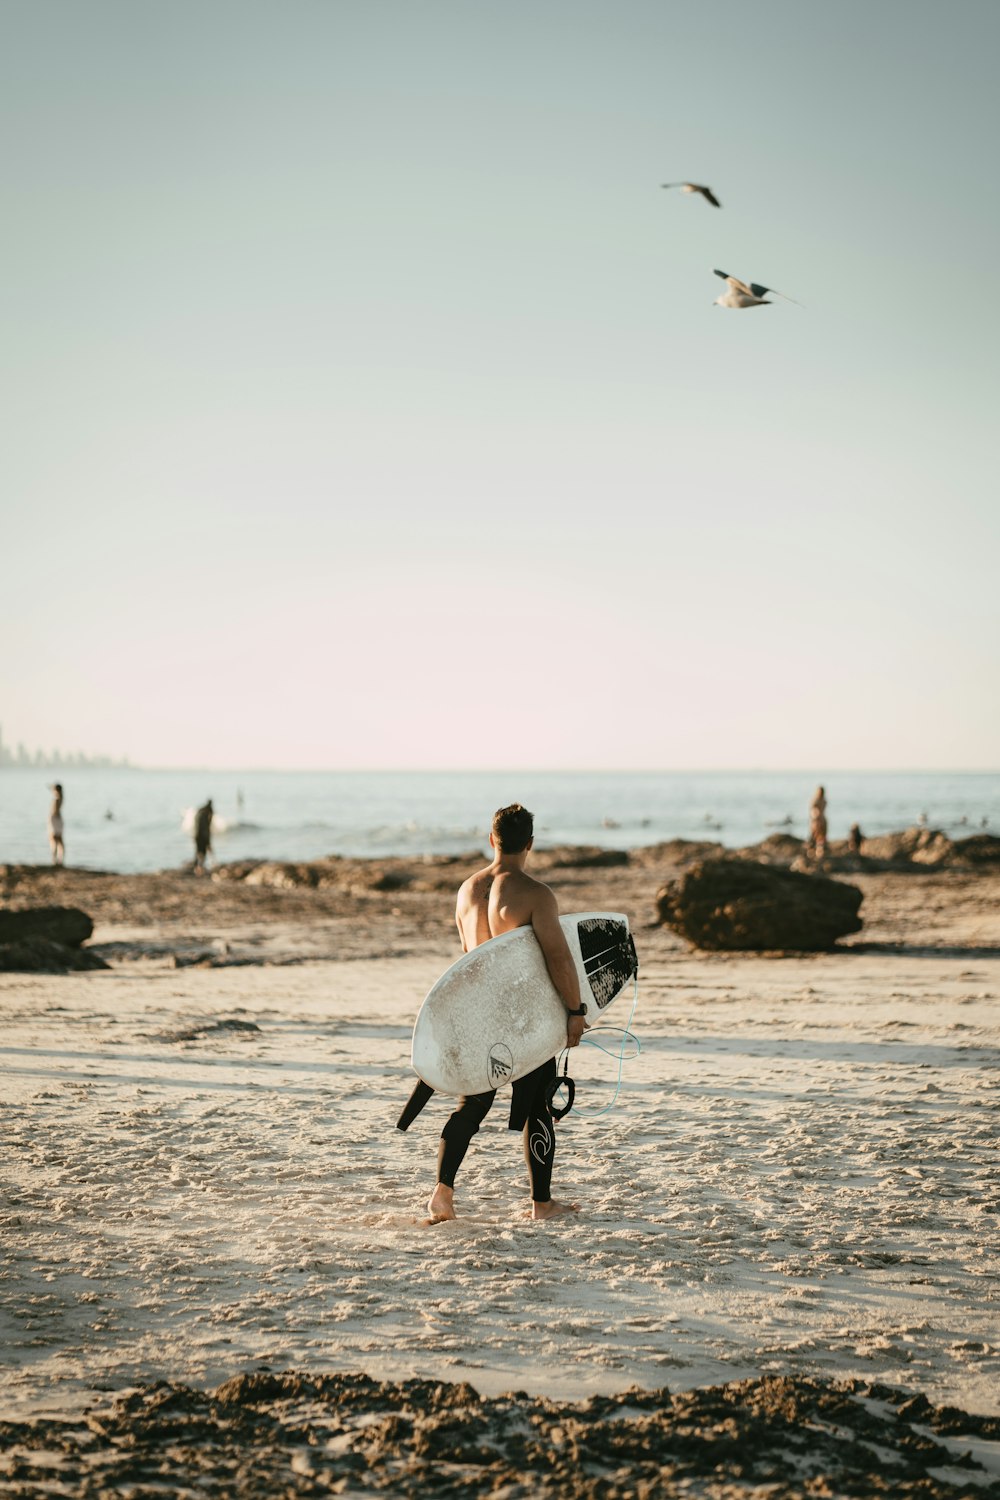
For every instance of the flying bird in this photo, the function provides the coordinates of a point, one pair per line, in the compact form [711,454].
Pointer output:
[695,187]
[741,294]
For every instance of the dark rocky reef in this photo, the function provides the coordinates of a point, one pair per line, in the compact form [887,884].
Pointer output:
[910,850]
[978,849]
[740,904]
[267,1434]
[337,872]
[928,847]
[914,850]
[46,940]
[676,852]
[776,849]
[419,873]
[581,857]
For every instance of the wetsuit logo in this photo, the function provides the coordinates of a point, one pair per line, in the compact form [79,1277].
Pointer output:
[499,1064]
[541,1144]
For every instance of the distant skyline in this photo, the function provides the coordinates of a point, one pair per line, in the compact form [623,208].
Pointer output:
[367,407]
[20,756]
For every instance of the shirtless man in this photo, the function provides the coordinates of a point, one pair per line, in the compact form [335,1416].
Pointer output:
[492,901]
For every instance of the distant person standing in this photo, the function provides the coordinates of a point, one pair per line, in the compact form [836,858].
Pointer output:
[202,835]
[817,823]
[855,839]
[56,825]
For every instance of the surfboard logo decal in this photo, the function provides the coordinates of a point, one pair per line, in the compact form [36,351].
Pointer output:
[499,1064]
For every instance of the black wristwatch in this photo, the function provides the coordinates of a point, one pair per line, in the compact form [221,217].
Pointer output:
[581,1012]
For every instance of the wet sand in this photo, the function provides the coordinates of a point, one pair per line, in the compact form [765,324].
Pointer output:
[797,1184]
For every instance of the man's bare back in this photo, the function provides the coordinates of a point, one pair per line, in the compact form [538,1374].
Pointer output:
[496,900]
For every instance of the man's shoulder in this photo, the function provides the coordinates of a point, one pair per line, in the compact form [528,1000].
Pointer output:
[477,878]
[527,887]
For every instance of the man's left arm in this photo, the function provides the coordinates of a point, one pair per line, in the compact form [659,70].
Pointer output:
[558,960]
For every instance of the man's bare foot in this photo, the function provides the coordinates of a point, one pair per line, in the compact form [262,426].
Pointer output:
[552,1209]
[440,1205]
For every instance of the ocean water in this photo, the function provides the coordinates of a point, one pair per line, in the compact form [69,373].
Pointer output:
[131,820]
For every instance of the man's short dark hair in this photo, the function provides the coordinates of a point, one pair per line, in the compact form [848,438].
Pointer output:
[513,828]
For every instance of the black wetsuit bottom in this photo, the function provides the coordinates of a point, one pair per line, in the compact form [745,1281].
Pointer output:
[528,1109]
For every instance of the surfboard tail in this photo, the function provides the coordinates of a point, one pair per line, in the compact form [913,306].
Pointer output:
[422,1092]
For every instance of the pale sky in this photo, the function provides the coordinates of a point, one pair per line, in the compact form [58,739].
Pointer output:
[366,406]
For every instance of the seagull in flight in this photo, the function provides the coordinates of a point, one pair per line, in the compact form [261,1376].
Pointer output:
[742,294]
[695,187]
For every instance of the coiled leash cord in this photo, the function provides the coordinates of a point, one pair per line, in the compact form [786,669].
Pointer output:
[564,1081]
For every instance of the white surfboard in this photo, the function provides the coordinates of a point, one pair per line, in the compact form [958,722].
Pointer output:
[496,1014]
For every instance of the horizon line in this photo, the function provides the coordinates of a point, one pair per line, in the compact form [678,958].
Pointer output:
[453,770]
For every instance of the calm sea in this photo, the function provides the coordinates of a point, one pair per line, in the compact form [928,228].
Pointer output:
[132,820]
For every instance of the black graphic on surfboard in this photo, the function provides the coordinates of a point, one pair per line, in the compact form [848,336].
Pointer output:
[609,958]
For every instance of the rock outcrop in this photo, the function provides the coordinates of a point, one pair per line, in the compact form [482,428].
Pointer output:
[66,925]
[738,904]
[46,940]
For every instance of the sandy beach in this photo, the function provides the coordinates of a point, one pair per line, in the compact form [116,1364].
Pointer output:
[795,1191]
[396,434]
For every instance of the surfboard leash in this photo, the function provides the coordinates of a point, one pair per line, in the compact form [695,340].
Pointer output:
[564,1081]
[561,1082]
